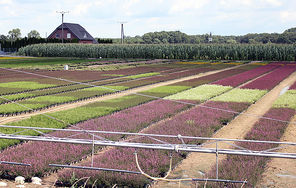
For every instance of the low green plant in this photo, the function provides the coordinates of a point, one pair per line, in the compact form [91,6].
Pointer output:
[287,100]
[143,75]
[241,95]
[200,93]
[26,84]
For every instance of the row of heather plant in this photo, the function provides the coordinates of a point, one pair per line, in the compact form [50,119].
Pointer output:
[102,108]
[251,168]
[214,128]
[198,121]
[42,102]
[98,109]
[73,116]
[15,81]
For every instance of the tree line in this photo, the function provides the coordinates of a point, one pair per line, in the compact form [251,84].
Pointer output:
[14,40]
[177,37]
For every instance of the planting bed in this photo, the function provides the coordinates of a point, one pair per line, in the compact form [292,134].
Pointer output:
[136,114]
[42,102]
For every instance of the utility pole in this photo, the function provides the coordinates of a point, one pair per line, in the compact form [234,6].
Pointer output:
[211,37]
[62,12]
[122,32]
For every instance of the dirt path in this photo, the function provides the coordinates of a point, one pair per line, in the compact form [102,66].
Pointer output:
[196,164]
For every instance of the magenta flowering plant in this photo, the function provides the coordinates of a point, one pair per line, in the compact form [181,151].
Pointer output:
[210,78]
[239,79]
[161,78]
[198,121]
[251,168]
[293,86]
[269,81]
[40,154]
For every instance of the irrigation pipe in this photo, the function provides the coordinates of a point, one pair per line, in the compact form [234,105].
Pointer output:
[155,178]
[154,135]
[178,180]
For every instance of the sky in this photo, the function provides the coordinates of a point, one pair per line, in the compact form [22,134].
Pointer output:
[102,18]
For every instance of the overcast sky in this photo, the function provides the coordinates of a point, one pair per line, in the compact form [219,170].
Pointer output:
[100,17]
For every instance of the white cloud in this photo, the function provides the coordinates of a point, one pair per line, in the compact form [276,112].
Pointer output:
[288,16]
[126,7]
[273,2]
[246,2]
[186,6]
[12,13]
[81,9]
[104,2]
[224,17]
[5,2]
[152,20]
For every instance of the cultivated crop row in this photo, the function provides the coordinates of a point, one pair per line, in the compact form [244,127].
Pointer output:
[102,108]
[275,52]
[237,80]
[156,164]
[268,81]
[251,168]
[200,121]
[215,126]
[13,81]
[62,98]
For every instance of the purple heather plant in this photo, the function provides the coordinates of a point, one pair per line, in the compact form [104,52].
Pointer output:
[198,121]
[270,80]
[239,79]
[293,86]
[40,154]
[251,168]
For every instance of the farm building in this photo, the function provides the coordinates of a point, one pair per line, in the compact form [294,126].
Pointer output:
[72,31]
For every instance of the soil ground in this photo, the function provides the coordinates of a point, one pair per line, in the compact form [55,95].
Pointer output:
[281,172]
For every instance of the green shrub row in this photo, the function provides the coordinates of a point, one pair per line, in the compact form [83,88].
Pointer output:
[277,52]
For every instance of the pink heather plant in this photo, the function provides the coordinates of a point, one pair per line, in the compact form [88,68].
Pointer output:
[197,121]
[247,167]
[239,79]
[40,154]
[270,80]
[293,86]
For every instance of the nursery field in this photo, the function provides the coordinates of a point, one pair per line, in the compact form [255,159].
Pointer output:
[199,99]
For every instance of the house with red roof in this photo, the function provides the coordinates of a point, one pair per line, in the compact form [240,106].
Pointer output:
[72,31]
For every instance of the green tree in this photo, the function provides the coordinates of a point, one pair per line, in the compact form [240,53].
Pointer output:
[231,41]
[34,34]
[14,34]
[147,38]
[253,41]
[3,38]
